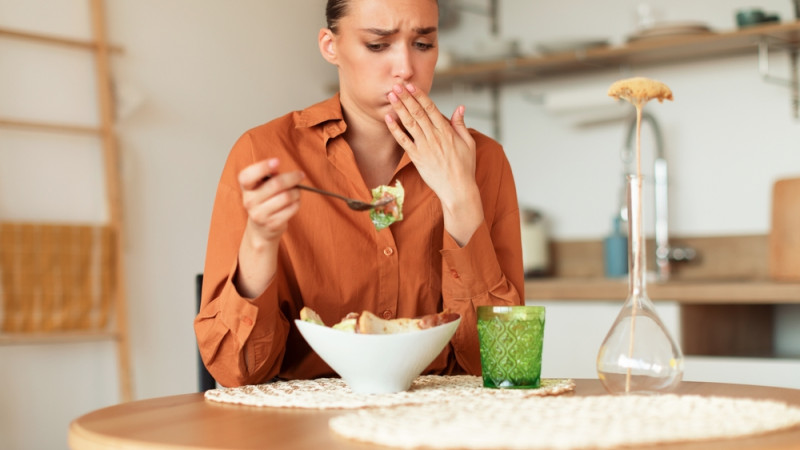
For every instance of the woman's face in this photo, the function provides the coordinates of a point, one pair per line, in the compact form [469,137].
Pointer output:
[382,43]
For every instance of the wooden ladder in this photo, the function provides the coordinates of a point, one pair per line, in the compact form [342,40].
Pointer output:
[105,131]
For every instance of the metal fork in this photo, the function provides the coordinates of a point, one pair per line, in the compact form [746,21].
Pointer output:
[355,205]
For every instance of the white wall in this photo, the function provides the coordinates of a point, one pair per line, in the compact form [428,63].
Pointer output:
[206,70]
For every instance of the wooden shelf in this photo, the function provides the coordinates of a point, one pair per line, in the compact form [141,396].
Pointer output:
[61,337]
[648,51]
[49,126]
[686,292]
[51,39]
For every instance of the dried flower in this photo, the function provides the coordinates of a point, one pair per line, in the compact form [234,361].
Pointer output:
[639,90]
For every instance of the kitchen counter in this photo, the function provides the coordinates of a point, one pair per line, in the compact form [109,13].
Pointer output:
[727,270]
[684,292]
[727,300]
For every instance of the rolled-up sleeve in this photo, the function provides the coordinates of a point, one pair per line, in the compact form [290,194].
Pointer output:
[241,341]
[485,271]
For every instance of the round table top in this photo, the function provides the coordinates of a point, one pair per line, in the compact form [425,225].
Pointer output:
[190,421]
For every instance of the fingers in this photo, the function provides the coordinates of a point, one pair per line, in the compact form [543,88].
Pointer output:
[415,110]
[270,203]
[273,213]
[400,136]
[431,111]
[457,121]
[253,175]
[264,174]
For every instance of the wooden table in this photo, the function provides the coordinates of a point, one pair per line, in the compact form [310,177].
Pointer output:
[189,421]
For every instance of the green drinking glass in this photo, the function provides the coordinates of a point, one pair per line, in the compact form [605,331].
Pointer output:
[511,340]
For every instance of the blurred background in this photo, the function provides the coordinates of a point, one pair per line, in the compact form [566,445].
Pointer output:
[193,75]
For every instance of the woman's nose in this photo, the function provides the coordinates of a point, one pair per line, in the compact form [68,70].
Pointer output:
[403,67]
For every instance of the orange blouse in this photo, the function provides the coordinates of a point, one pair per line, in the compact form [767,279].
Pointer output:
[333,260]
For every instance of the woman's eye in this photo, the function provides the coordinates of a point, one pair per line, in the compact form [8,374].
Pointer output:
[423,45]
[376,47]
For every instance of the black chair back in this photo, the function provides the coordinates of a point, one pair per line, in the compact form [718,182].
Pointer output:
[205,380]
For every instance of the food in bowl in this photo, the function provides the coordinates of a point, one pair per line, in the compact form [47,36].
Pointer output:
[368,323]
[383,361]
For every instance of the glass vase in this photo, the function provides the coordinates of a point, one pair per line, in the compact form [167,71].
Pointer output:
[638,355]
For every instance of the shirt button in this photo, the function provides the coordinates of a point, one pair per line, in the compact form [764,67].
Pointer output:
[247,321]
[388,251]
[453,273]
[387,314]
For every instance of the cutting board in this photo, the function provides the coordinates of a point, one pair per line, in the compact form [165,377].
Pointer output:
[784,236]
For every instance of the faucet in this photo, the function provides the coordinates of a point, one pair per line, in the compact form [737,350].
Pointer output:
[664,253]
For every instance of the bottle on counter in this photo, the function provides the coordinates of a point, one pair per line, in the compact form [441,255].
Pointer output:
[615,251]
[535,244]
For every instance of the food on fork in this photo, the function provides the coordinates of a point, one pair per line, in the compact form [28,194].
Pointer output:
[368,323]
[385,215]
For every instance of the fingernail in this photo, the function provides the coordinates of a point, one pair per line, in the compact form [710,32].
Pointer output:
[411,88]
[393,97]
[388,118]
[398,89]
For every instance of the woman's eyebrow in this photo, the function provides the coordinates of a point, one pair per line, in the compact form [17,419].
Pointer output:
[389,32]
[381,31]
[425,30]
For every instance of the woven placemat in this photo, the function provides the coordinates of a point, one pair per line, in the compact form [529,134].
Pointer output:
[564,422]
[333,393]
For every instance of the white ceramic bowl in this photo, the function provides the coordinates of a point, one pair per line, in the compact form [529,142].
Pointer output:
[377,363]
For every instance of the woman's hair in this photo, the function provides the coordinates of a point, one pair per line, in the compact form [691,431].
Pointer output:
[335,10]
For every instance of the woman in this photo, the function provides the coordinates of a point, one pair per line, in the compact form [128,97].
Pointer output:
[272,251]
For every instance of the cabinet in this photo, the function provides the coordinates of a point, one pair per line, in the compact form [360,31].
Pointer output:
[727,300]
[564,356]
